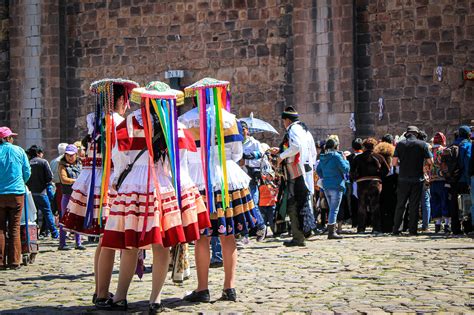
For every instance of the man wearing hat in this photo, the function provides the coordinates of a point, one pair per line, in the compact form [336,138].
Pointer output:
[411,155]
[14,172]
[298,153]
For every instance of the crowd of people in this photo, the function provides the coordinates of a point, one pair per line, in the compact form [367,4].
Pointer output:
[161,196]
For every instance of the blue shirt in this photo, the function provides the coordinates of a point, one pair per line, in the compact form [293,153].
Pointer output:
[464,157]
[14,169]
[332,168]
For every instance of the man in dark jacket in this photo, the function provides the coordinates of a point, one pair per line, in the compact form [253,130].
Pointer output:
[411,155]
[461,185]
[40,185]
[368,170]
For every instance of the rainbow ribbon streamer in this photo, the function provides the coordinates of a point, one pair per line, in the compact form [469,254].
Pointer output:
[210,104]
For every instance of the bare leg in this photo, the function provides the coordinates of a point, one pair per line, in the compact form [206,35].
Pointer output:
[161,261]
[128,265]
[203,259]
[229,255]
[104,261]
[96,267]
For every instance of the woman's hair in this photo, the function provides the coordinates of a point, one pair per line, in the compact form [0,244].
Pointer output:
[331,144]
[369,144]
[119,91]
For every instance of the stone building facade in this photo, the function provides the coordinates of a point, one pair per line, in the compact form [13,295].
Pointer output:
[328,58]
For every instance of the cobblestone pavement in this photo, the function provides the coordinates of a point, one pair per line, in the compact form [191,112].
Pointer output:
[360,273]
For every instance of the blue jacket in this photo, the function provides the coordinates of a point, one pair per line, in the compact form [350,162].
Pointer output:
[14,169]
[464,159]
[332,169]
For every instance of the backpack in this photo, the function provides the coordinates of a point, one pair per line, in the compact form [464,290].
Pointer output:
[450,167]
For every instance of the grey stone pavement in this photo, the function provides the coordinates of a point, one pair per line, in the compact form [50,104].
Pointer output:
[359,274]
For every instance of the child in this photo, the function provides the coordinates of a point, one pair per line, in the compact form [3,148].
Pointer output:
[268,192]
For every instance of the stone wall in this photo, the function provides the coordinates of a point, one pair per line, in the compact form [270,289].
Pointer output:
[328,58]
[399,46]
[323,71]
[4,63]
[34,106]
[243,41]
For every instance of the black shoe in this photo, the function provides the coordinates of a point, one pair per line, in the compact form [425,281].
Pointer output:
[102,303]
[94,297]
[413,233]
[65,247]
[109,304]
[437,228]
[229,295]
[198,296]
[155,308]
[14,267]
[293,243]
[216,264]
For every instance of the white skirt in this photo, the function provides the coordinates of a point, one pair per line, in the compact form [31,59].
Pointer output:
[236,178]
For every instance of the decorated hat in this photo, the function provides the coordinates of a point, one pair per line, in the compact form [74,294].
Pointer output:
[100,85]
[204,84]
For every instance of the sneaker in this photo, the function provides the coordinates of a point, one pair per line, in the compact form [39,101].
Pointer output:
[198,296]
[229,295]
[65,247]
[261,234]
[437,228]
[244,241]
[55,236]
[447,229]
[80,247]
[216,264]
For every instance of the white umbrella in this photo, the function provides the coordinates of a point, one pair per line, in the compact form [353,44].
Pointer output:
[257,125]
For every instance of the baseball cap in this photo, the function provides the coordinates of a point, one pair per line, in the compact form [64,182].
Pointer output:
[71,149]
[6,132]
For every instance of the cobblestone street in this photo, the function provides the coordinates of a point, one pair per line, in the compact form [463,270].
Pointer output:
[361,273]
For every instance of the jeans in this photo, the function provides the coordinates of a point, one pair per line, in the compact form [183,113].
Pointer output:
[439,200]
[62,233]
[472,200]
[425,207]
[411,192]
[255,196]
[268,215]
[10,214]
[334,198]
[42,204]
[216,250]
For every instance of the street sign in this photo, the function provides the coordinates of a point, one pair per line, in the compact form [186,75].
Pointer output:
[174,74]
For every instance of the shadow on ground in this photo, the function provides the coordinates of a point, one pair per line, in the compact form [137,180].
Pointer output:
[133,308]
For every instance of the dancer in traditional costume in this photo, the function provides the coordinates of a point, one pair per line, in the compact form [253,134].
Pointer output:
[91,197]
[146,211]
[215,171]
